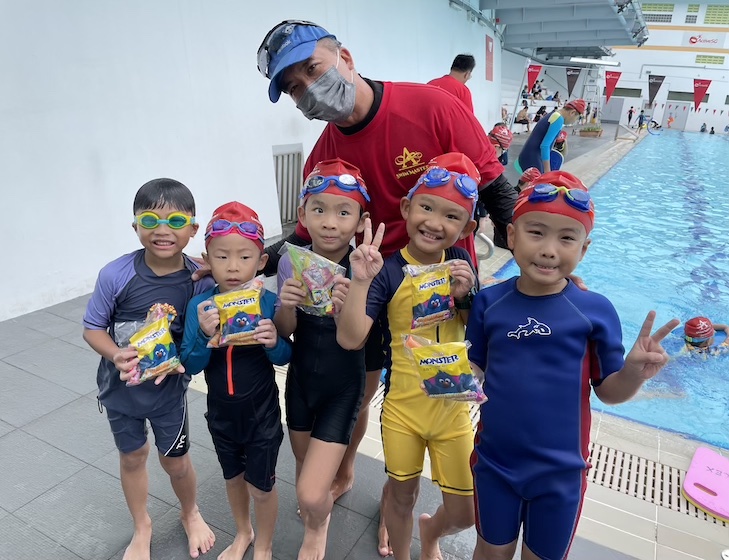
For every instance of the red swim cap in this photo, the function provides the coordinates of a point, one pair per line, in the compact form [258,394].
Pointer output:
[344,179]
[578,105]
[558,205]
[459,166]
[698,329]
[501,136]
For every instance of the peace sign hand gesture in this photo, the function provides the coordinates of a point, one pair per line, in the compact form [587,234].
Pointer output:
[647,356]
[366,260]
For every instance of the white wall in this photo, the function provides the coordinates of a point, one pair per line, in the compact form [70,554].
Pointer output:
[100,96]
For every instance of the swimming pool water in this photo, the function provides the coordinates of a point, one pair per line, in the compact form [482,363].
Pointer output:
[661,241]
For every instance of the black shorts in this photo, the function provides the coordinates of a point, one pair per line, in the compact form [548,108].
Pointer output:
[375,348]
[169,424]
[326,405]
[247,435]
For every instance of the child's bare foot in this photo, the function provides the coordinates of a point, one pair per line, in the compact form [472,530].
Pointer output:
[341,486]
[429,549]
[199,536]
[262,554]
[240,544]
[315,543]
[383,540]
[139,547]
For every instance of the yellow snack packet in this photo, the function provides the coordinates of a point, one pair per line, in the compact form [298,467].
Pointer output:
[240,313]
[157,351]
[444,369]
[431,293]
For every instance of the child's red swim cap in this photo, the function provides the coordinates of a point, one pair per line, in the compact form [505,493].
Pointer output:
[697,329]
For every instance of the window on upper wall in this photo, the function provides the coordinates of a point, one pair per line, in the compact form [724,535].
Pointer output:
[652,7]
[625,92]
[716,15]
[693,9]
[685,96]
[692,18]
[709,59]
[658,18]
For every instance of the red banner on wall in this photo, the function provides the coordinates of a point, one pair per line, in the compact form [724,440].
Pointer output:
[532,75]
[489,59]
[572,75]
[700,87]
[611,80]
[654,84]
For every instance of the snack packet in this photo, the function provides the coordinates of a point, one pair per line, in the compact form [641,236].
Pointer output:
[431,291]
[317,274]
[240,313]
[153,342]
[444,369]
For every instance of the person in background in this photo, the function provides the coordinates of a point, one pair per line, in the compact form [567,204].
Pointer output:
[630,114]
[536,152]
[642,118]
[522,117]
[540,113]
[501,137]
[702,129]
[712,131]
[700,333]
[455,82]
[530,462]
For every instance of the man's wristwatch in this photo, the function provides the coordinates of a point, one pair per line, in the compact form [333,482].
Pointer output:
[465,303]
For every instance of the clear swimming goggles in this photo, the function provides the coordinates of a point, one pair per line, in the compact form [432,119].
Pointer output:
[274,40]
[577,198]
[439,177]
[345,182]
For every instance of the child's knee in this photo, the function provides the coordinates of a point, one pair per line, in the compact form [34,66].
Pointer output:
[176,467]
[311,500]
[402,495]
[259,495]
[134,460]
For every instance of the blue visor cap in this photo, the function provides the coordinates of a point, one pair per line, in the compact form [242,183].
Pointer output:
[295,46]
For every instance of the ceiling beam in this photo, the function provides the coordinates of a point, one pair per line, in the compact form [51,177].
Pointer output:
[531,44]
[565,26]
[506,17]
[536,4]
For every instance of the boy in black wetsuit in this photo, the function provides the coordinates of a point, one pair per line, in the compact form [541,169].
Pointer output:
[325,383]
[243,415]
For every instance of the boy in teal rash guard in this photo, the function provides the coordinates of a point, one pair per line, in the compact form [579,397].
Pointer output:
[536,150]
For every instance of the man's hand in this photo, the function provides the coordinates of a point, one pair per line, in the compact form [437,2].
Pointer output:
[292,293]
[463,278]
[578,282]
[647,356]
[366,260]
[208,317]
[204,269]
[339,292]
[266,333]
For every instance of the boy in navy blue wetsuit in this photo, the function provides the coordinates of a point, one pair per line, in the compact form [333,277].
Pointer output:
[164,220]
[541,343]
[244,417]
[325,383]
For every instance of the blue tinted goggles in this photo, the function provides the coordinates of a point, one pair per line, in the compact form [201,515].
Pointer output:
[577,198]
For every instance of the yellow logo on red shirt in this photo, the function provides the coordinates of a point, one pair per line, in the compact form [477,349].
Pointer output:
[410,163]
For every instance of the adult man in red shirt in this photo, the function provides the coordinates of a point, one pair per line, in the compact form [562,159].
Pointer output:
[455,82]
[390,130]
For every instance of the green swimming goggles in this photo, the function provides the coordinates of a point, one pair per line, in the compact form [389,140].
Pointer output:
[176,220]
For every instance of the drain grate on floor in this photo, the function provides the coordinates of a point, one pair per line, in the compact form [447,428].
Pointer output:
[629,474]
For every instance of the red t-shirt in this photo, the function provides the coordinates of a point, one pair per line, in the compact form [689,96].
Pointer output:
[453,86]
[414,124]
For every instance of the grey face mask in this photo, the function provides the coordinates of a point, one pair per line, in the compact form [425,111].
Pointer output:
[330,98]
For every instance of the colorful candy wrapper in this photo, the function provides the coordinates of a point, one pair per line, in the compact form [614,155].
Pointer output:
[317,274]
[444,369]
[240,313]
[153,342]
[431,291]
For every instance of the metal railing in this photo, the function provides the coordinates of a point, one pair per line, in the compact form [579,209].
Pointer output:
[288,164]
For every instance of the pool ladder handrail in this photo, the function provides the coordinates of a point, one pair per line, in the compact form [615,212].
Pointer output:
[490,244]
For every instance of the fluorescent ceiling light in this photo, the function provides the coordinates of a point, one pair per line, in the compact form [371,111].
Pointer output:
[596,61]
